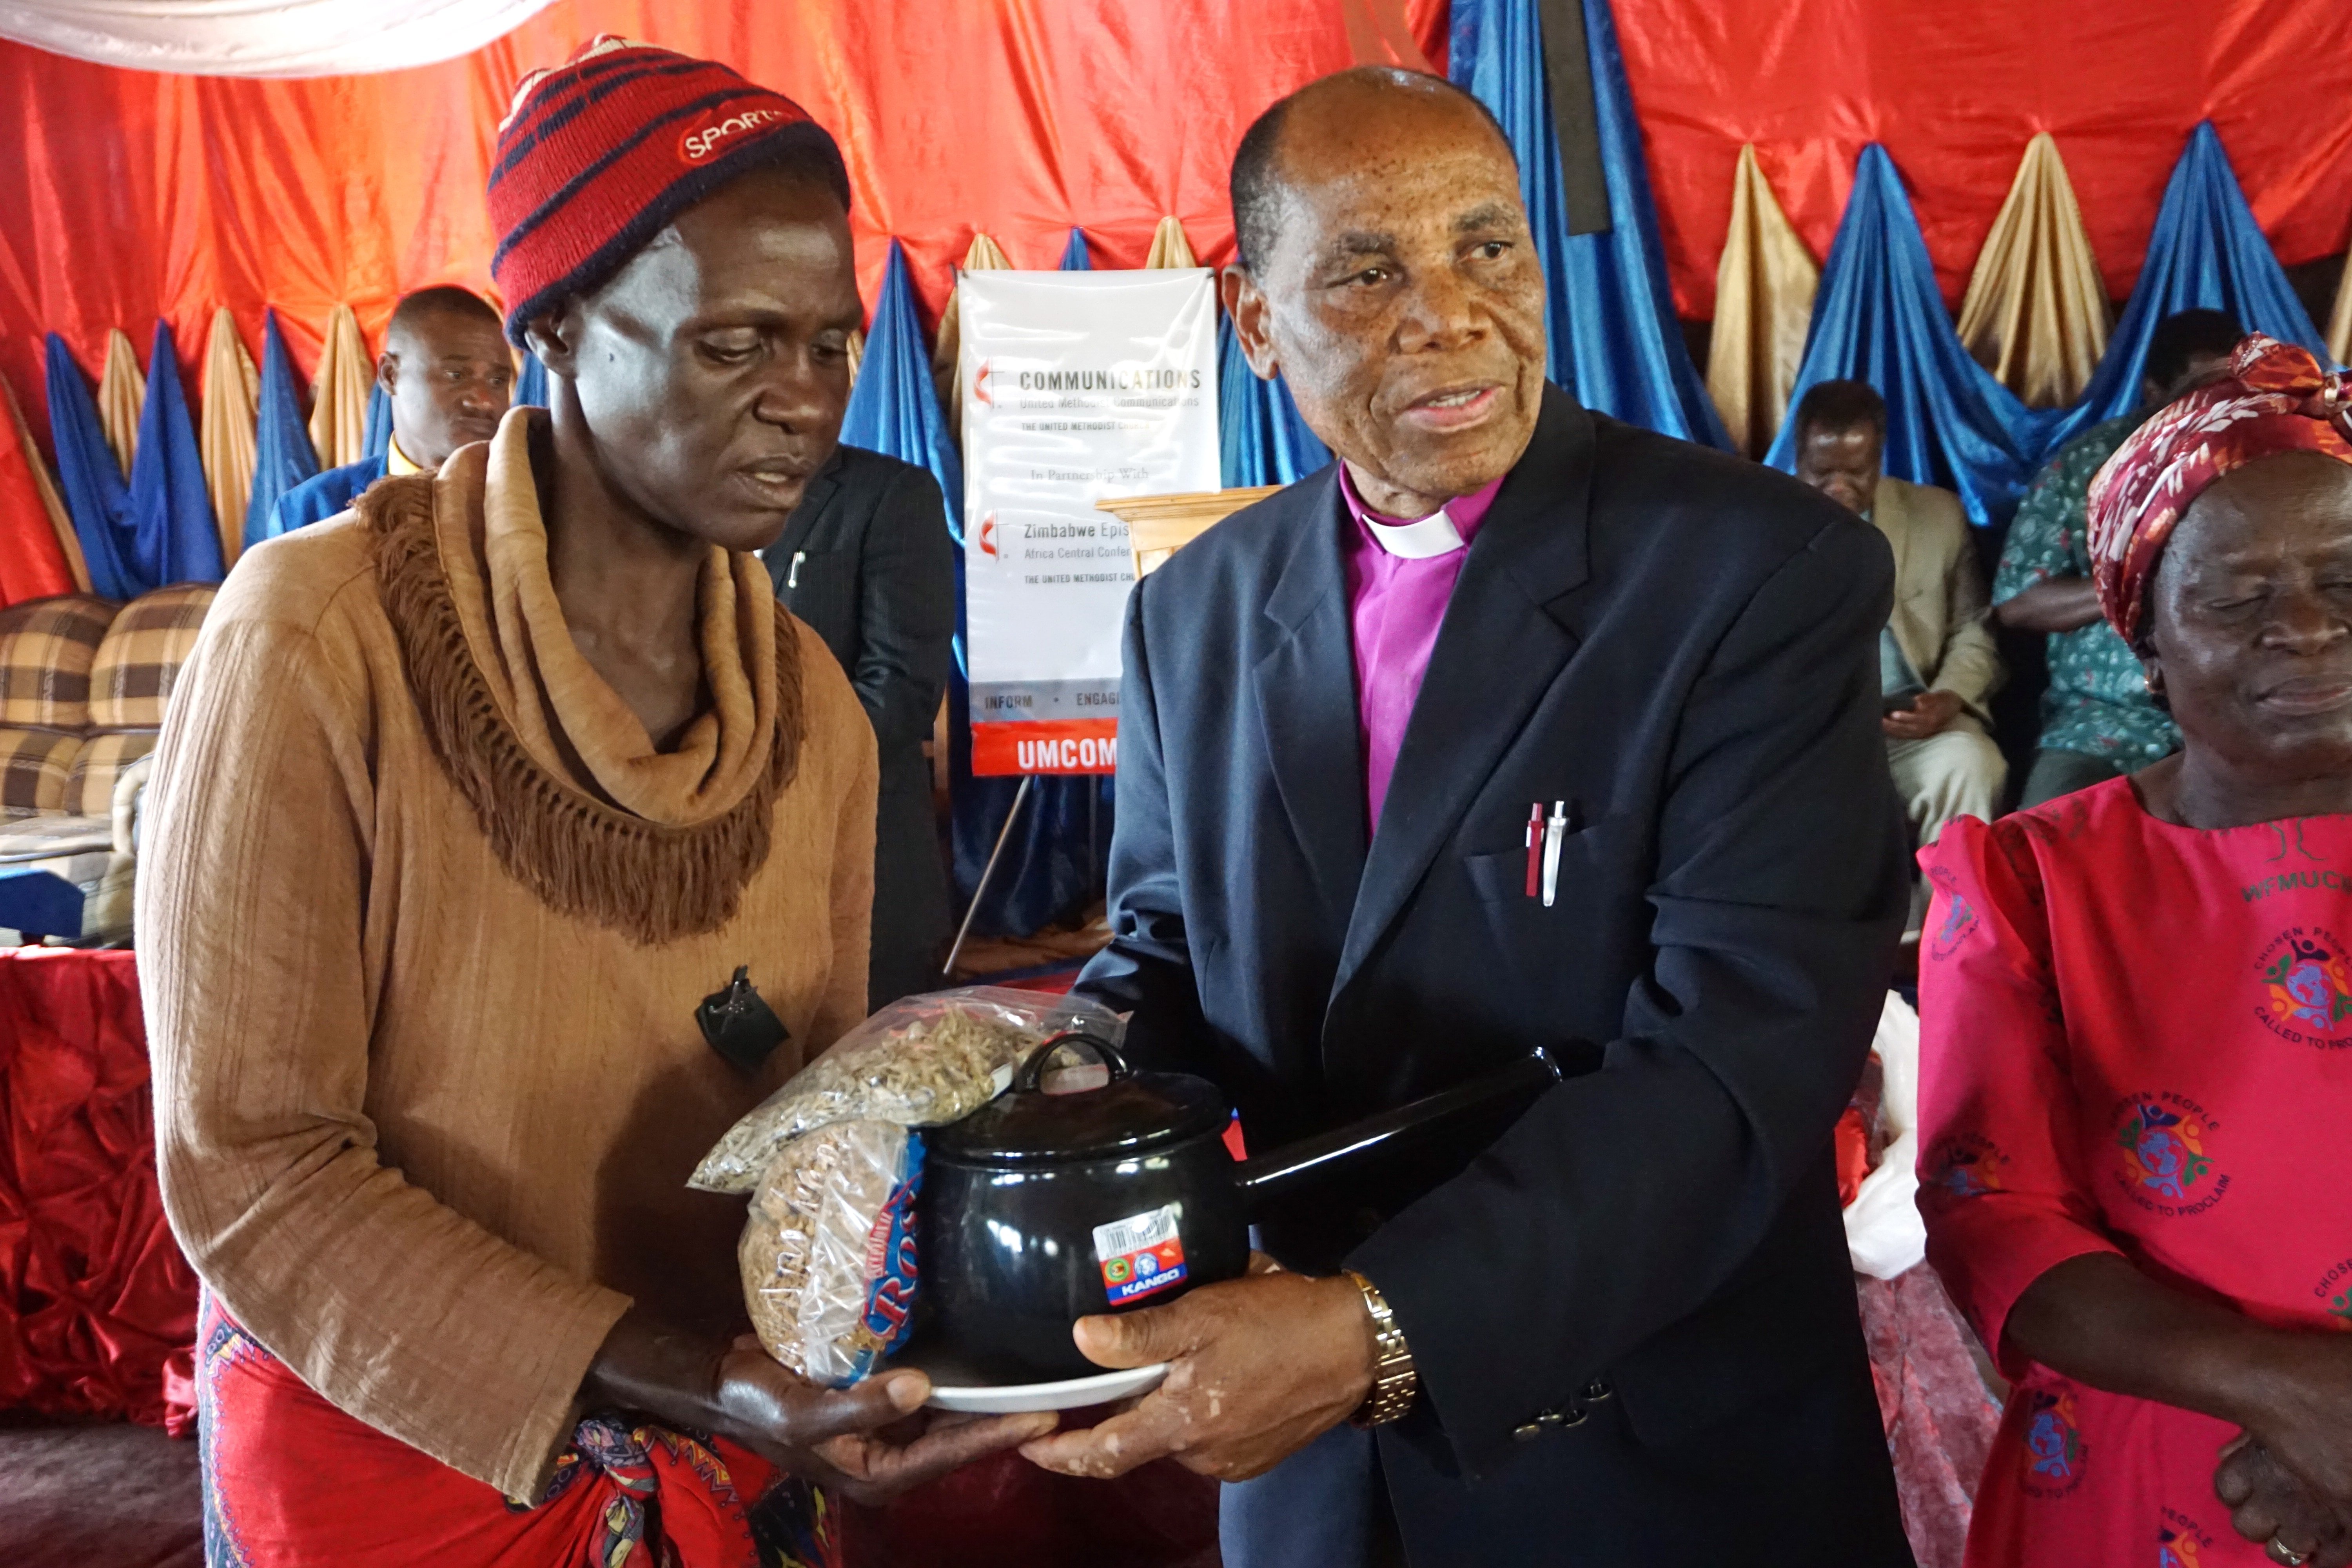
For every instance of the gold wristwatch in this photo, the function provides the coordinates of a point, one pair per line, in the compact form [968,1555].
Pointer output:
[1395,1381]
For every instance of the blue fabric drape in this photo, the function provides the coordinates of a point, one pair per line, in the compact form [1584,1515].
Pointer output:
[1615,342]
[1075,256]
[176,539]
[893,408]
[375,434]
[1261,440]
[2206,252]
[1878,317]
[531,380]
[282,454]
[96,496]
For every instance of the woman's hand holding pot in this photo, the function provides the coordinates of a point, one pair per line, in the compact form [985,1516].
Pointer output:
[866,1440]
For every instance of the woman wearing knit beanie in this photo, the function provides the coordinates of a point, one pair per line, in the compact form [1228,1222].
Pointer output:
[467,800]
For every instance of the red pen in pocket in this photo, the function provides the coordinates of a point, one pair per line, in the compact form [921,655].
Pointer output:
[1534,849]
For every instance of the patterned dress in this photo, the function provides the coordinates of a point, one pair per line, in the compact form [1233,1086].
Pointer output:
[2134,1041]
[2097,703]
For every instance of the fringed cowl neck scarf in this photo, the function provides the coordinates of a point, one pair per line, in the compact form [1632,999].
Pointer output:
[574,797]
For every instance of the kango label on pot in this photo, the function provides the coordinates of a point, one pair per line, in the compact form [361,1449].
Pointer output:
[1141,1254]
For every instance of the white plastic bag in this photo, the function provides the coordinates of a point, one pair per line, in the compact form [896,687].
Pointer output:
[1884,1231]
[920,1062]
[828,1251]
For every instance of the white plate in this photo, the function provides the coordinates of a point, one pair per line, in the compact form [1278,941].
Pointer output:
[1017,1399]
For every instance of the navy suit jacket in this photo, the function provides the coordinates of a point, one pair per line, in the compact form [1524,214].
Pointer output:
[1682,646]
[322,496]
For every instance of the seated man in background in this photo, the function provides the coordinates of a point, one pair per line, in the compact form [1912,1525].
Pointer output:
[447,371]
[2099,720]
[1938,664]
[867,564]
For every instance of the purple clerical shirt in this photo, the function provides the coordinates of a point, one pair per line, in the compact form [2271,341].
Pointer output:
[1399,575]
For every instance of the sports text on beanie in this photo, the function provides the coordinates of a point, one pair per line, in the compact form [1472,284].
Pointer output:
[599,155]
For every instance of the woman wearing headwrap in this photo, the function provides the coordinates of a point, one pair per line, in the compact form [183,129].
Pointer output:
[469,796]
[2137,1002]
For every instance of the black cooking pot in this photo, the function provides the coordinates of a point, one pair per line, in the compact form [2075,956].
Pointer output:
[1041,1208]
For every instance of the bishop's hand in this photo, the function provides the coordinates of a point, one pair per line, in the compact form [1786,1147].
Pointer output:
[1260,1367]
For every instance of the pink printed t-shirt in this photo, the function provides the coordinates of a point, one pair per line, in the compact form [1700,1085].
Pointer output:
[2137,1039]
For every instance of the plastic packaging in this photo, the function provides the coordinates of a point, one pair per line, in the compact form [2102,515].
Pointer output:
[920,1062]
[828,1252]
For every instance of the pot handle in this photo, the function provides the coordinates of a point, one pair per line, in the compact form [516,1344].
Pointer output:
[1280,1170]
[1033,1065]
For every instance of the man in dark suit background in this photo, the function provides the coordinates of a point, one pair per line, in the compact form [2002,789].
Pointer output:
[1625,1332]
[866,562]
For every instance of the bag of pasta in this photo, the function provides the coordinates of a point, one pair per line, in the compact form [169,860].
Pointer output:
[924,1061]
[828,1252]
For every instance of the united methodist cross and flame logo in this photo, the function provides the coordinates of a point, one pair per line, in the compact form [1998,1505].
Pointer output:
[2163,1149]
[2309,983]
[2174,1549]
[2052,1436]
[980,379]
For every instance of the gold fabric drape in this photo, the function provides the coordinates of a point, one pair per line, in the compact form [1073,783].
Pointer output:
[121,393]
[2036,313]
[226,439]
[1763,306]
[1170,248]
[51,501]
[339,393]
[983,255]
[2339,319]
[857,355]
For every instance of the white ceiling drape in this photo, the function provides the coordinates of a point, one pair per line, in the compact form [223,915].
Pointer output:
[262,37]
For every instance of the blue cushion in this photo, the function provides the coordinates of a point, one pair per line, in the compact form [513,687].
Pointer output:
[38,903]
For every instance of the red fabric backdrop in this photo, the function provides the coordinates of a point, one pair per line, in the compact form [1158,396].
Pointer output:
[133,195]
[1956,90]
[130,194]
[98,1307]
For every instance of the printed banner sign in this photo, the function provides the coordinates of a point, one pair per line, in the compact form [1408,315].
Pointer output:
[1078,387]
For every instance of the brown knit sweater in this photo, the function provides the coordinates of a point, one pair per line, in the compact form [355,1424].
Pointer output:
[424,918]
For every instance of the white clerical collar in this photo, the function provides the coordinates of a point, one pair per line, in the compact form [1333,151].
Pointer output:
[1432,536]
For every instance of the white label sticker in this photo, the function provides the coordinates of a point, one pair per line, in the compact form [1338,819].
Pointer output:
[1141,1254]
[1124,1236]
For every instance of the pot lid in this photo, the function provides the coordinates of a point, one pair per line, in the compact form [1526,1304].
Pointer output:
[1130,1114]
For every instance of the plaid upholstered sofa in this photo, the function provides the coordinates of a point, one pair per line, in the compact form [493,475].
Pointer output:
[83,685]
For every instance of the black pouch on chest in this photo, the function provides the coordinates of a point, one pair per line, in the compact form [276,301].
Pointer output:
[738,1024]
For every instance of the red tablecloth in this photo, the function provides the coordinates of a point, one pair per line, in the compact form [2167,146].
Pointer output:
[98,1308]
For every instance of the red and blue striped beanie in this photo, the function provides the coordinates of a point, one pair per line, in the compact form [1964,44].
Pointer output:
[598,155]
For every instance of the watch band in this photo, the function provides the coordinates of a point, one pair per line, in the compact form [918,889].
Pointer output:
[1395,1381]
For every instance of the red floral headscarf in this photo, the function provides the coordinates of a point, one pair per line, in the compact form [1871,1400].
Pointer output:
[2275,398]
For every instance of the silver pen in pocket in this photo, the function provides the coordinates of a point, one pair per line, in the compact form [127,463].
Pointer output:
[1555,830]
